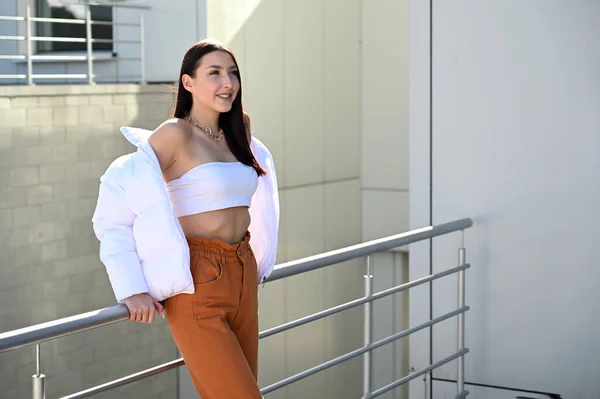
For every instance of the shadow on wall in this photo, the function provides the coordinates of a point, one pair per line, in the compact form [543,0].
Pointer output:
[55,143]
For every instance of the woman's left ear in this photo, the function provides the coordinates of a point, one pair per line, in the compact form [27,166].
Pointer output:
[187,82]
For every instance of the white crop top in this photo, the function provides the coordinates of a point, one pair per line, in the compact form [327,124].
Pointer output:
[212,186]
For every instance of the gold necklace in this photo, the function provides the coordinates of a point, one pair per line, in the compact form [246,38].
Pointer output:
[207,130]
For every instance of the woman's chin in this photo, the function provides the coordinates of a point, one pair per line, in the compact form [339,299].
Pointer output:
[223,108]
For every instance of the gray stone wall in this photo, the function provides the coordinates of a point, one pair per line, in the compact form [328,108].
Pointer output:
[55,142]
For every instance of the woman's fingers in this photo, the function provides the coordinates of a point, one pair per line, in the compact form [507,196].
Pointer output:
[141,308]
[150,313]
[139,315]
[145,315]
[159,308]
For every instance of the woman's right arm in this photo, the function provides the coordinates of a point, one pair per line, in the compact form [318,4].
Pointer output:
[113,226]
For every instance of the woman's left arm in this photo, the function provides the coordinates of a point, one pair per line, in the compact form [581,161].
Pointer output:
[264,210]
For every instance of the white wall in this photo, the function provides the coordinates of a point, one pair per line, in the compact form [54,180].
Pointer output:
[384,172]
[171,27]
[419,188]
[384,169]
[300,64]
[327,82]
[515,145]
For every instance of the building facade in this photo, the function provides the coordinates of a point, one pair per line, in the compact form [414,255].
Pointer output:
[315,99]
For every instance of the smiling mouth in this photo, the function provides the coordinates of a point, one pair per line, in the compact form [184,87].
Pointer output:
[225,96]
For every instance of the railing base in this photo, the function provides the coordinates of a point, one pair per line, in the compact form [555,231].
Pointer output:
[39,386]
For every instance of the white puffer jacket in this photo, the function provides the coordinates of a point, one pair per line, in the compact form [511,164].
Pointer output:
[142,244]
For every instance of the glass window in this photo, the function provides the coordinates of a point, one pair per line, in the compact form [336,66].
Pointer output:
[69,10]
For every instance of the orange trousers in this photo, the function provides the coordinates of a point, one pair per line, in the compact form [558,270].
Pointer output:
[216,328]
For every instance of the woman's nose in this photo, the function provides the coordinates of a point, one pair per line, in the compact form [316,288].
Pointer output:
[227,82]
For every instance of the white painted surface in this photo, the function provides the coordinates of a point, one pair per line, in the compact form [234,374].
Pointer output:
[384,172]
[516,146]
[300,65]
[171,27]
[419,202]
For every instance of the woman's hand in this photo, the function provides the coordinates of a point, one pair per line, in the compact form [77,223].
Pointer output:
[141,308]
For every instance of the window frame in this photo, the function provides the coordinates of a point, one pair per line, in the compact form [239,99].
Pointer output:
[77,50]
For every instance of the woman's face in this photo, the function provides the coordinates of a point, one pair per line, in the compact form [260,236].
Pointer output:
[215,83]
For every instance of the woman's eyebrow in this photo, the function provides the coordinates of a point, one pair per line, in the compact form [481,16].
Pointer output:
[220,67]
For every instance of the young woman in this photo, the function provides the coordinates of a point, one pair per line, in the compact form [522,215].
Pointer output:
[190,221]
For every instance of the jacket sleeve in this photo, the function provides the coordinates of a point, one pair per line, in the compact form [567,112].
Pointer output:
[113,226]
[264,213]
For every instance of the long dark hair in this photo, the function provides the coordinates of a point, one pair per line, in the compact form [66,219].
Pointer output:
[234,123]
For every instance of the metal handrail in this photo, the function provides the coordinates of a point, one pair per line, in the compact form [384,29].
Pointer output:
[62,327]
[17,38]
[59,20]
[59,328]
[358,302]
[58,39]
[294,267]
[363,350]
[9,18]
[29,38]
[37,334]
[137,6]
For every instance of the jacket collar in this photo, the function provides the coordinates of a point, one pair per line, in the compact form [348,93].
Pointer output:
[139,138]
[135,135]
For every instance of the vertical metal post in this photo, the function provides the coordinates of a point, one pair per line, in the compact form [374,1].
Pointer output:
[116,36]
[29,46]
[460,380]
[39,388]
[142,51]
[88,40]
[368,332]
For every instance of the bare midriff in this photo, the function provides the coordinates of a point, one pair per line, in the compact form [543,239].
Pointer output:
[229,225]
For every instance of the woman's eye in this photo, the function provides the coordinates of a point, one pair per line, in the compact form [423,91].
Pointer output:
[214,73]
